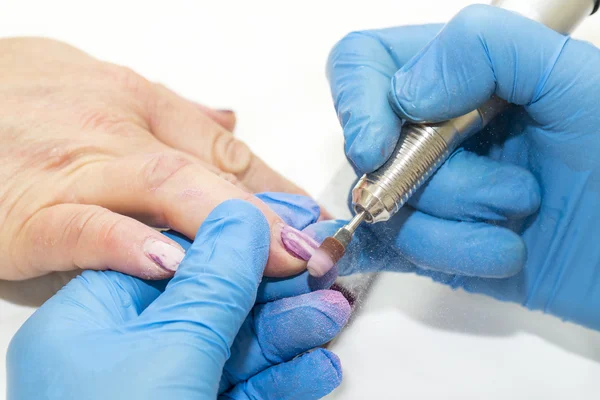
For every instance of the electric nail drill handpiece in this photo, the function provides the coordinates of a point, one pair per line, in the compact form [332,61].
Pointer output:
[422,148]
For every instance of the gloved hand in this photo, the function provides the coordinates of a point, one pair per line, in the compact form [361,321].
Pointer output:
[476,223]
[113,336]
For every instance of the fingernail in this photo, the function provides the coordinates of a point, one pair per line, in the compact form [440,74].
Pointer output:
[224,111]
[163,254]
[297,243]
[319,264]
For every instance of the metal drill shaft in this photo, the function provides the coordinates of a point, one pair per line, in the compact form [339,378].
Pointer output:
[355,222]
[345,233]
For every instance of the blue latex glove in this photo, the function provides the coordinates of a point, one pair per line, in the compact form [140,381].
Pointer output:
[112,336]
[456,229]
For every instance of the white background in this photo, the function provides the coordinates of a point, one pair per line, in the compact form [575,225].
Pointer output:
[266,60]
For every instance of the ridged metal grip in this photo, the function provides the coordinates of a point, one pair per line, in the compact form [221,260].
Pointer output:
[418,154]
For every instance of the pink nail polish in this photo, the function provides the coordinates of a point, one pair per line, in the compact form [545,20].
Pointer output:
[319,264]
[163,254]
[298,243]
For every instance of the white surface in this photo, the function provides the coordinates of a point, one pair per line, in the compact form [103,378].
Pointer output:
[415,339]
[265,59]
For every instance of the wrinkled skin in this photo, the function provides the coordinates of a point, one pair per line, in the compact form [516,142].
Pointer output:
[88,147]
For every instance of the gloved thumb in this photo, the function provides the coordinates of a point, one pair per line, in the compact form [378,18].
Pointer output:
[215,286]
[482,51]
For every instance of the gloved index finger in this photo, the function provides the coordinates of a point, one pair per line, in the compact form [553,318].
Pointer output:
[485,50]
[414,241]
[296,210]
[468,187]
[359,69]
